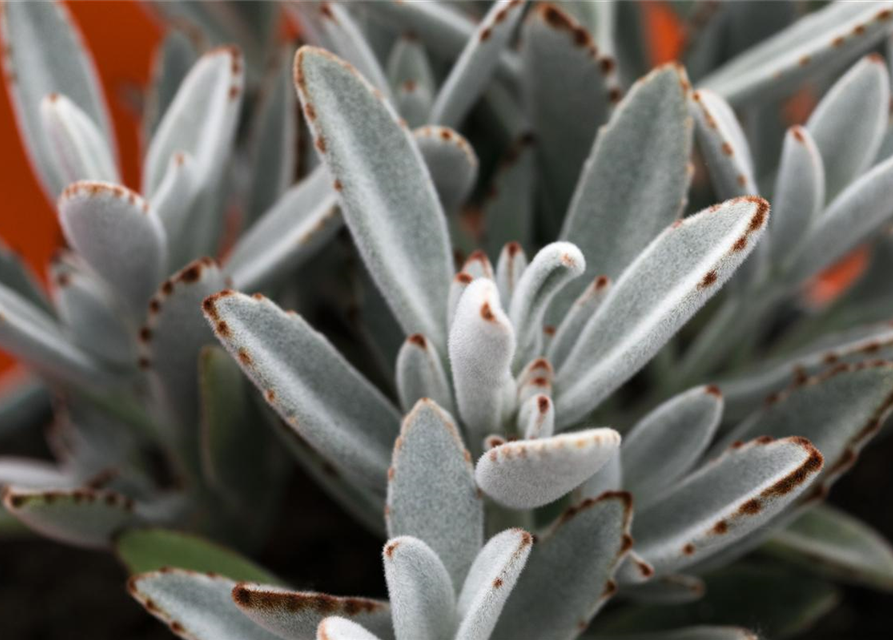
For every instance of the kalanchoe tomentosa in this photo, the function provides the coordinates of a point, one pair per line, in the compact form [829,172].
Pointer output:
[501,376]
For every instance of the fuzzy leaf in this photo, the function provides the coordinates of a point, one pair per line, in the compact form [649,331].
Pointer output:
[170,66]
[509,269]
[451,161]
[552,268]
[335,628]
[819,40]
[144,550]
[92,315]
[828,541]
[839,411]
[170,342]
[301,221]
[325,400]
[741,393]
[33,473]
[412,80]
[850,218]
[196,606]
[849,123]
[568,575]
[667,442]
[608,478]
[176,203]
[29,334]
[799,193]
[490,581]
[79,149]
[443,28]
[671,589]
[531,473]
[295,615]
[669,281]
[431,490]
[508,209]
[341,34]
[636,178]
[201,120]
[476,64]
[18,276]
[724,146]
[536,418]
[724,501]
[420,374]
[79,517]
[45,54]
[569,90]
[119,235]
[568,332]
[422,596]
[274,141]
[481,346]
[386,196]
[776,601]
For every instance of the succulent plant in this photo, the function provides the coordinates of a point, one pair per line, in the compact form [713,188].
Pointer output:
[465,406]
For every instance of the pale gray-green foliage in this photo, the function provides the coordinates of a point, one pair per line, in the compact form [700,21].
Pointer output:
[410,106]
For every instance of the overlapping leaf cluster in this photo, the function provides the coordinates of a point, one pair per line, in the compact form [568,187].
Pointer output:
[461,417]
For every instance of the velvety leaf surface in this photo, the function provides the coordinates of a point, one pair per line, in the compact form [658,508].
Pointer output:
[80,151]
[422,596]
[432,494]
[170,341]
[828,541]
[79,517]
[481,346]
[295,615]
[635,181]
[509,204]
[723,145]
[569,88]
[335,628]
[45,54]
[849,123]
[574,321]
[119,235]
[28,333]
[779,63]
[552,268]
[421,374]
[568,574]
[196,606]
[667,442]
[476,64]
[303,219]
[385,192]
[724,501]
[451,161]
[838,410]
[799,193]
[775,601]
[201,120]
[668,282]
[490,581]
[530,473]
[310,385]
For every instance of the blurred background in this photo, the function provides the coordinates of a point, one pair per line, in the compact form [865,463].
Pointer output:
[50,591]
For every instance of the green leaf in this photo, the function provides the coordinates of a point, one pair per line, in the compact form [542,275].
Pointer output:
[830,542]
[143,550]
[776,601]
